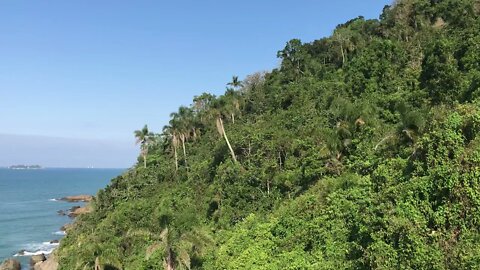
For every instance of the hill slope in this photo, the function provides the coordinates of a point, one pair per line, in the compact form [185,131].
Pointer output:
[361,151]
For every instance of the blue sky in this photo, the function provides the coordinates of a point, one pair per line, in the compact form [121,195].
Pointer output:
[97,70]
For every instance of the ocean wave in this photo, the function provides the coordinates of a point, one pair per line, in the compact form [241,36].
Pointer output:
[37,249]
[28,253]
[53,200]
[60,233]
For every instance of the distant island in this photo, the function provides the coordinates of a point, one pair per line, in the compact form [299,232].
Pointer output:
[25,167]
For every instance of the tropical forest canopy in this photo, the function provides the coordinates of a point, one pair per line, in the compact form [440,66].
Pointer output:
[360,151]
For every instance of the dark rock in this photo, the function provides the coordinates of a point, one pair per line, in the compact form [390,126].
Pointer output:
[50,264]
[74,208]
[61,212]
[54,241]
[37,258]
[10,264]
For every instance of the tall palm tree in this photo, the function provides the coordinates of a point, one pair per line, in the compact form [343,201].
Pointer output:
[169,131]
[177,132]
[184,116]
[144,138]
[235,83]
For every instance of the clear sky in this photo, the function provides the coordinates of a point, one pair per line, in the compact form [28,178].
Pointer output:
[94,71]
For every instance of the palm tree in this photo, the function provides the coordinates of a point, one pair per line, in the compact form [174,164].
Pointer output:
[184,117]
[177,137]
[235,83]
[170,132]
[178,250]
[144,138]
[409,128]
[411,123]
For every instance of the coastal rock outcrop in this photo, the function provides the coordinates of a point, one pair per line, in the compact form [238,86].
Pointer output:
[66,227]
[37,258]
[78,198]
[10,264]
[76,211]
[50,264]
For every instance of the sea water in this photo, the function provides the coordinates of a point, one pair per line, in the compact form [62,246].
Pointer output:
[28,206]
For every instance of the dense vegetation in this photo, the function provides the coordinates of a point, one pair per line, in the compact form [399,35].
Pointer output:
[361,151]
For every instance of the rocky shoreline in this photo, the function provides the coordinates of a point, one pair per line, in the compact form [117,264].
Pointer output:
[42,263]
[77,198]
[48,261]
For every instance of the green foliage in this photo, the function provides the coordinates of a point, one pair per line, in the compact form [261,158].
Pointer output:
[361,151]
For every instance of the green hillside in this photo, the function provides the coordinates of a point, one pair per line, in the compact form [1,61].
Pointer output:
[360,151]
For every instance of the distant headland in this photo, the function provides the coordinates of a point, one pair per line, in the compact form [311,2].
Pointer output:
[25,167]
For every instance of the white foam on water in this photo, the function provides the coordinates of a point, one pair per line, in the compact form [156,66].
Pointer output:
[38,252]
[37,249]
[60,233]
[53,200]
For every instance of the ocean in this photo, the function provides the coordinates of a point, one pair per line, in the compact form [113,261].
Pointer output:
[28,207]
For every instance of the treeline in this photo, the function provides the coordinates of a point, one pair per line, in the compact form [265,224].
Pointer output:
[360,151]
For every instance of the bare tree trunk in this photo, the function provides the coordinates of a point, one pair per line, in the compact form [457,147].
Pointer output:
[170,263]
[144,154]
[280,159]
[184,151]
[226,139]
[233,118]
[97,264]
[176,158]
[343,54]
[381,141]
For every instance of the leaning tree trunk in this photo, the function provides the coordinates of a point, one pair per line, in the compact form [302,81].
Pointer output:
[176,158]
[97,264]
[145,152]
[170,263]
[175,144]
[182,137]
[221,129]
